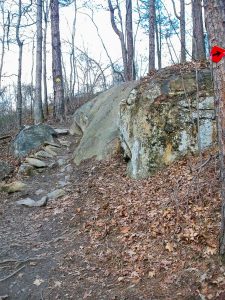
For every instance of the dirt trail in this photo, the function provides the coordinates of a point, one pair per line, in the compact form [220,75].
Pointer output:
[111,237]
[36,243]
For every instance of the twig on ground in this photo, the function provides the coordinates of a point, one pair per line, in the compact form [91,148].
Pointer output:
[20,261]
[9,276]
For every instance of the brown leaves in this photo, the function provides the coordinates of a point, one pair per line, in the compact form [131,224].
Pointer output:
[156,227]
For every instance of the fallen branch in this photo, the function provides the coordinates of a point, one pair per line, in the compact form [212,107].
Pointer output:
[9,276]
[5,137]
[19,261]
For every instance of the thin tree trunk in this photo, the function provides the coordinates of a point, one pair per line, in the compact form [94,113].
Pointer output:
[215,25]
[19,75]
[181,18]
[158,44]
[151,35]
[3,42]
[32,80]
[130,42]
[38,112]
[182,31]
[198,44]
[45,87]
[56,62]
[121,38]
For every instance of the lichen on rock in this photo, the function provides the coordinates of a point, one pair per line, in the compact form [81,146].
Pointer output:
[161,124]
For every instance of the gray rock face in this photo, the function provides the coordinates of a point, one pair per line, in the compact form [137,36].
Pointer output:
[31,138]
[97,123]
[159,120]
[5,169]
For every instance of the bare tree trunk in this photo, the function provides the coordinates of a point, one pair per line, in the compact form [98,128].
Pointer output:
[38,112]
[32,80]
[215,25]
[4,26]
[19,75]
[46,14]
[182,31]
[198,43]
[151,35]
[181,18]
[121,37]
[158,44]
[56,62]
[72,55]
[130,42]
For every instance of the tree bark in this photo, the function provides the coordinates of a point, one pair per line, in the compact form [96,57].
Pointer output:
[182,31]
[38,111]
[56,62]
[121,38]
[19,75]
[215,25]
[151,35]
[198,43]
[46,15]
[181,18]
[130,42]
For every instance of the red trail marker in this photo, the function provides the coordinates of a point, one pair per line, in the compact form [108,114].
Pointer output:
[217,54]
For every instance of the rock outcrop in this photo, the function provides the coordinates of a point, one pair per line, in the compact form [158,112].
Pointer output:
[31,138]
[97,124]
[159,121]
[156,121]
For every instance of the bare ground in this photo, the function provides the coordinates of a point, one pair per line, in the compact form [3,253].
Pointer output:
[112,237]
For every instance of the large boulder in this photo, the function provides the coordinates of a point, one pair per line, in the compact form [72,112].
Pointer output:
[31,138]
[159,120]
[97,124]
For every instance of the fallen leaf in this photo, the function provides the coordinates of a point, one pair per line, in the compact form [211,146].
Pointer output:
[125,229]
[38,281]
[169,247]
[120,279]
[87,294]
[210,250]
[58,283]
[151,274]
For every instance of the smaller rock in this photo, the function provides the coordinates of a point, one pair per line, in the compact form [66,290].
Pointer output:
[56,194]
[67,177]
[63,183]
[65,143]
[50,150]
[46,143]
[53,165]
[26,169]
[32,203]
[39,192]
[43,154]
[61,162]
[16,186]
[67,168]
[37,163]
[60,131]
